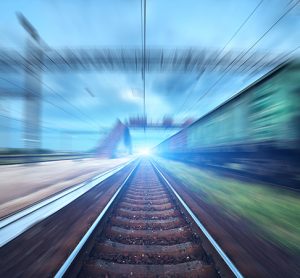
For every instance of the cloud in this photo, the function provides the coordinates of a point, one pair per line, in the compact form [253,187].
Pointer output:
[170,24]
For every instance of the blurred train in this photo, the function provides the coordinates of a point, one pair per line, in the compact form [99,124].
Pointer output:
[257,131]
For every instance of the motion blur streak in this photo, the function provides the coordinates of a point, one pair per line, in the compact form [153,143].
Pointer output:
[207,89]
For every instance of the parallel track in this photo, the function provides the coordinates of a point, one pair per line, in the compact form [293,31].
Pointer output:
[18,222]
[146,233]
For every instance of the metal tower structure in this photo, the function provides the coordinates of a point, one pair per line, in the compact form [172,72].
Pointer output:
[39,58]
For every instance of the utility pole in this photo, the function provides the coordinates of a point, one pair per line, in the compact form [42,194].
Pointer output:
[33,87]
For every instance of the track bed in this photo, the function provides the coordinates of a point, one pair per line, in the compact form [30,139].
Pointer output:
[145,235]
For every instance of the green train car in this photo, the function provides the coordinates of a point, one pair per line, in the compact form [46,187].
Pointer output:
[258,128]
[267,111]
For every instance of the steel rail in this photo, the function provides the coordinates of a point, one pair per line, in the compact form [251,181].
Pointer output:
[63,269]
[222,254]
[15,224]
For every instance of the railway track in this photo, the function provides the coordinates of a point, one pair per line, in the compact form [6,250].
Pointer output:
[18,222]
[147,231]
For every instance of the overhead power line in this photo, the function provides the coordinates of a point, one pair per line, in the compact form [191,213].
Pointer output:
[224,47]
[238,30]
[239,57]
[144,65]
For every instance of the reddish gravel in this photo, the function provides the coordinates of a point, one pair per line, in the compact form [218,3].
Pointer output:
[146,236]
[41,250]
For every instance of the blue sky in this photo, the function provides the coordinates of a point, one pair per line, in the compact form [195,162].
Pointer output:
[170,24]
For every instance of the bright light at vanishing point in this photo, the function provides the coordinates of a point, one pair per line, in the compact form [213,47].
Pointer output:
[144,152]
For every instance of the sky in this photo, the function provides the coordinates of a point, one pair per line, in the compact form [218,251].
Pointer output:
[84,118]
